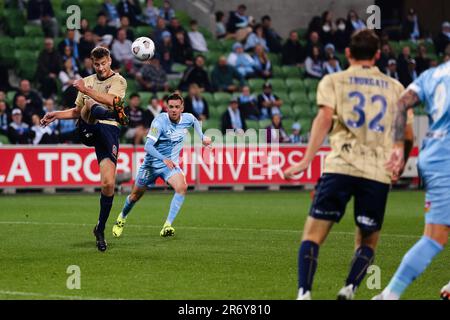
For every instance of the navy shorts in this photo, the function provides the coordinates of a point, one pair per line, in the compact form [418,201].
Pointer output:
[334,191]
[104,137]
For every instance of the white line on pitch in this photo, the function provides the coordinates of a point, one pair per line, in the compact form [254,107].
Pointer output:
[51,296]
[201,228]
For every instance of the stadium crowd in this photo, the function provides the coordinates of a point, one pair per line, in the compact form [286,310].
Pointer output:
[243,76]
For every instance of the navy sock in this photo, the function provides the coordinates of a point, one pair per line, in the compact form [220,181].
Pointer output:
[307,264]
[105,208]
[362,259]
[101,113]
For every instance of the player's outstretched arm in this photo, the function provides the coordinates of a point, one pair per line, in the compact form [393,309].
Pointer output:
[102,98]
[206,141]
[72,113]
[321,126]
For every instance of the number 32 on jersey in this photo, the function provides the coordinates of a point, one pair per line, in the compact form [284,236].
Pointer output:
[358,109]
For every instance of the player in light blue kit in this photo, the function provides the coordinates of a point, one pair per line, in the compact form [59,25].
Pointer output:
[164,143]
[433,88]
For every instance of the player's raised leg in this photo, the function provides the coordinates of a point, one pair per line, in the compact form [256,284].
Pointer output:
[314,234]
[136,193]
[178,183]
[108,176]
[365,244]
[416,260]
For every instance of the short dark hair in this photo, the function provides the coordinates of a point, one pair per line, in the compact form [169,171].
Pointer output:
[242,6]
[99,52]
[134,95]
[193,22]
[364,44]
[266,17]
[219,15]
[174,96]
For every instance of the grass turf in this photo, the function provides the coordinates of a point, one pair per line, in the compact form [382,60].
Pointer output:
[227,246]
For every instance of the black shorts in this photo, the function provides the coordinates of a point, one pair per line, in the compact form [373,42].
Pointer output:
[334,191]
[104,137]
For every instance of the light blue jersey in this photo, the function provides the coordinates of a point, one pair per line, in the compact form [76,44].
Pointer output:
[433,88]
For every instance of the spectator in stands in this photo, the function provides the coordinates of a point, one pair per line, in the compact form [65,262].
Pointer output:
[3,98]
[196,74]
[5,118]
[262,64]
[49,65]
[237,19]
[443,38]
[152,77]
[315,25]
[194,103]
[296,136]
[19,132]
[354,23]
[102,28]
[268,103]
[42,135]
[221,30]
[68,55]
[167,13]
[411,75]
[402,62]
[272,37]
[181,49]
[111,13]
[313,41]
[422,60]
[242,61]
[314,64]
[88,68]
[151,14]
[40,12]
[165,52]
[196,38]
[69,41]
[67,76]
[33,100]
[386,55]
[256,37]
[4,78]
[158,31]
[26,110]
[130,9]
[84,26]
[125,24]
[331,65]
[341,36]
[68,131]
[136,131]
[152,111]
[86,45]
[248,104]
[49,106]
[328,29]
[174,27]
[410,28]
[293,54]
[222,76]
[121,50]
[233,119]
[275,132]
[391,70]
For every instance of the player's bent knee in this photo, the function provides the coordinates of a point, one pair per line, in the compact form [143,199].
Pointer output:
[182,189]
[108,187]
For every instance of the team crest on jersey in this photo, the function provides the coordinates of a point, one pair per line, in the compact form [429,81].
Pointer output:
[427,206]
[114,151]
[107,88]
[153,131]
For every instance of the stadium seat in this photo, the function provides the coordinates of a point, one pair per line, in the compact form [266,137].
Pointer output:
[213,57]
[33,31]
[302,110]
[287,111]
[214,112]
[209,98]
[298,97]
[178,67]
[277,72]
[295,85]
[312,96]
[143,31]
[222,98]
[227,45]
[7,52]
[173,83]
[287,125]
[211,124]
[10,97]
[311,84]
[275,59]
[3,139]
[252,124]
[256,84]
[264,123]
[278,84]
[145,97]
[14,22]
[27,43]
[26,54]
[291,72]
[214,45]
[284,96]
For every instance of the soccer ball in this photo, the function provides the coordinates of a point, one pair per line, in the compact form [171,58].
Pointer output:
[445,292]
[143,48]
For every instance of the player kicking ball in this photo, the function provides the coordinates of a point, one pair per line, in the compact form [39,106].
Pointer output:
[164,143]
[356,107]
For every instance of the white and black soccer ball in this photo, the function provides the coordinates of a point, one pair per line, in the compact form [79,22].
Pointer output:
[143,48]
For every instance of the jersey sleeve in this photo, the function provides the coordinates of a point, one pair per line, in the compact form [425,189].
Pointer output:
[118,87]
[326,95]
[418,86]
[79,102]
[155,130]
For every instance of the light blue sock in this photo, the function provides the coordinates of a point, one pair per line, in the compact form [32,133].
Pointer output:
[175,207]
[415,261]
[127,207]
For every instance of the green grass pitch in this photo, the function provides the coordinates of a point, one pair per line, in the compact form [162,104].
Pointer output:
[227,246]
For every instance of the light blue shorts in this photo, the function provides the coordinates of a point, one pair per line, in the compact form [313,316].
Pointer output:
[437,199]
[146,176]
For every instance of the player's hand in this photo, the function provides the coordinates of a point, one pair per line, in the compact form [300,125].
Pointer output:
[48,118]
[396,161]
[169,163]
[207,141]
[295,169]
[79,85]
